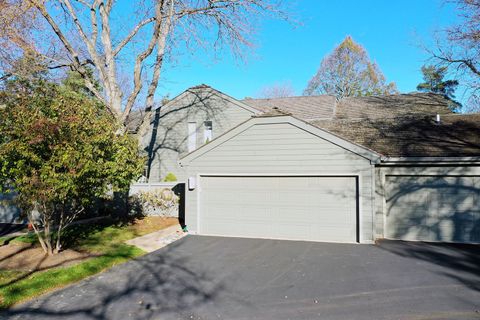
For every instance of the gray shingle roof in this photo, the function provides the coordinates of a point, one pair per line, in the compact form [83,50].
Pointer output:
[389,106]
[325,107]
[306,108]
[412,135]
[395,125]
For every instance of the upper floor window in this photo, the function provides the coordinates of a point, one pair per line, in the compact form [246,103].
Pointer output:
[192,136]
[208,130]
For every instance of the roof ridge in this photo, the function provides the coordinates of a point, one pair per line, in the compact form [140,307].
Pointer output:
[416,93]
[290,97]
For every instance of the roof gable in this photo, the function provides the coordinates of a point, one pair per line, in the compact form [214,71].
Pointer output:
[201,93]
[276,119]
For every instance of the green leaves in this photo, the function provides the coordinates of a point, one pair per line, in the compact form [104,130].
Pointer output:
[435,83]
[59,146]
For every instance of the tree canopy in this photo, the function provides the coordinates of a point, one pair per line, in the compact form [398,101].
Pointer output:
[434,82]
[58,153]
[348,72]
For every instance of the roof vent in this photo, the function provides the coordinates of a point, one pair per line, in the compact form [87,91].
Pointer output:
[437,119]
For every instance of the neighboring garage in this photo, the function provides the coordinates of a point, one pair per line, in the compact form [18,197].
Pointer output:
[314,208]
[433,207]
[277,177]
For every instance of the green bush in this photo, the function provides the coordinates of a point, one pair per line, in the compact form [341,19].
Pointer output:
[60,151]
[170,177]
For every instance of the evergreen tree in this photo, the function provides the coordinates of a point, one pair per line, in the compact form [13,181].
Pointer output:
[434,82]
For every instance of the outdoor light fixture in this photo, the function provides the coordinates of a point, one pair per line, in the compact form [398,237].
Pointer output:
[191,183]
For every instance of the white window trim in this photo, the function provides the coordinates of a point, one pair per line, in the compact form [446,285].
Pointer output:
[192,136]
[208,132]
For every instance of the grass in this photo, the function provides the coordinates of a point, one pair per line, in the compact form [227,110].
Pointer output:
[105,240]
[29,238]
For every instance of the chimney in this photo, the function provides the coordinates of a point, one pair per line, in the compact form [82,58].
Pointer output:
[437,119]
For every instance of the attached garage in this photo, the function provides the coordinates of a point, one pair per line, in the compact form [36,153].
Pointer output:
[280,178]
[315,208]
[433,207]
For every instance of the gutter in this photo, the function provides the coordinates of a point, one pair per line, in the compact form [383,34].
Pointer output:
[429,160]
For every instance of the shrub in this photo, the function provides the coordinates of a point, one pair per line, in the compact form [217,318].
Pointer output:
[170,177]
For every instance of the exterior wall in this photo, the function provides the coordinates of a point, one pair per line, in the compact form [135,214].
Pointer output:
[8,212]
[167,139]
[385,173]
[283,149]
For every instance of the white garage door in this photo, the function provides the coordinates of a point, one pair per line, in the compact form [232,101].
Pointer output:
[433,208]
[296,208]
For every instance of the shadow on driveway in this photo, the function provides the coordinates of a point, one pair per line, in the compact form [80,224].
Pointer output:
[200,277]
[457,261]
[150,285]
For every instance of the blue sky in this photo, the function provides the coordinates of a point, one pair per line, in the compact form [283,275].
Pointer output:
[389,30]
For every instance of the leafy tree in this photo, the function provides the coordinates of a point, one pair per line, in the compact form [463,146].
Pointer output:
[434,82]
[74,81]
[58,153]
[348,72]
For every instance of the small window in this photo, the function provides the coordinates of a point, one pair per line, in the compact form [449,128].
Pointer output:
[192,136]
[208,131]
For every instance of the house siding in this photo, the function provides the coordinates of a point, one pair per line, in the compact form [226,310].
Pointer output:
[283,149]
[167,139]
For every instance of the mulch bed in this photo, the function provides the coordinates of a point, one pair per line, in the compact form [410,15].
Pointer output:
[29,258]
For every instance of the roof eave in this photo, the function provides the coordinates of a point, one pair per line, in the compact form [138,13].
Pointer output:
[426,160]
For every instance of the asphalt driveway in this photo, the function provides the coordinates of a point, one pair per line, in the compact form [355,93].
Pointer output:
[229,278]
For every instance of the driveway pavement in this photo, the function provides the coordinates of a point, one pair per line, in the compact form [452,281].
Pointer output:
[228,278]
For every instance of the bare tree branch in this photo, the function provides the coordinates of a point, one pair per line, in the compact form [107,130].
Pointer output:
[76,60]
[132,34]
[87,31]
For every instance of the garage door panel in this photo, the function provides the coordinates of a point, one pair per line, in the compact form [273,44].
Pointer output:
[222,228]
[300,208]
[433,208]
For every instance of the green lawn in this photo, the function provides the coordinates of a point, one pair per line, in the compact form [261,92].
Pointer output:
[104,240]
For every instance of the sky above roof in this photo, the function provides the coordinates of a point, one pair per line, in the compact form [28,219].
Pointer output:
[391,31]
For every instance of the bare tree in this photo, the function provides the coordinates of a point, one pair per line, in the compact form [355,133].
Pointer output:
[347,72]
[458,49]
[277,90]
[92,32]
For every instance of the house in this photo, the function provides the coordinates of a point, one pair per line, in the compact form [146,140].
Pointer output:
[197,116]
[309,168]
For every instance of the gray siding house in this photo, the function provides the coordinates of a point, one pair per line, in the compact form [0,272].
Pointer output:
[310,168]
[185,123]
